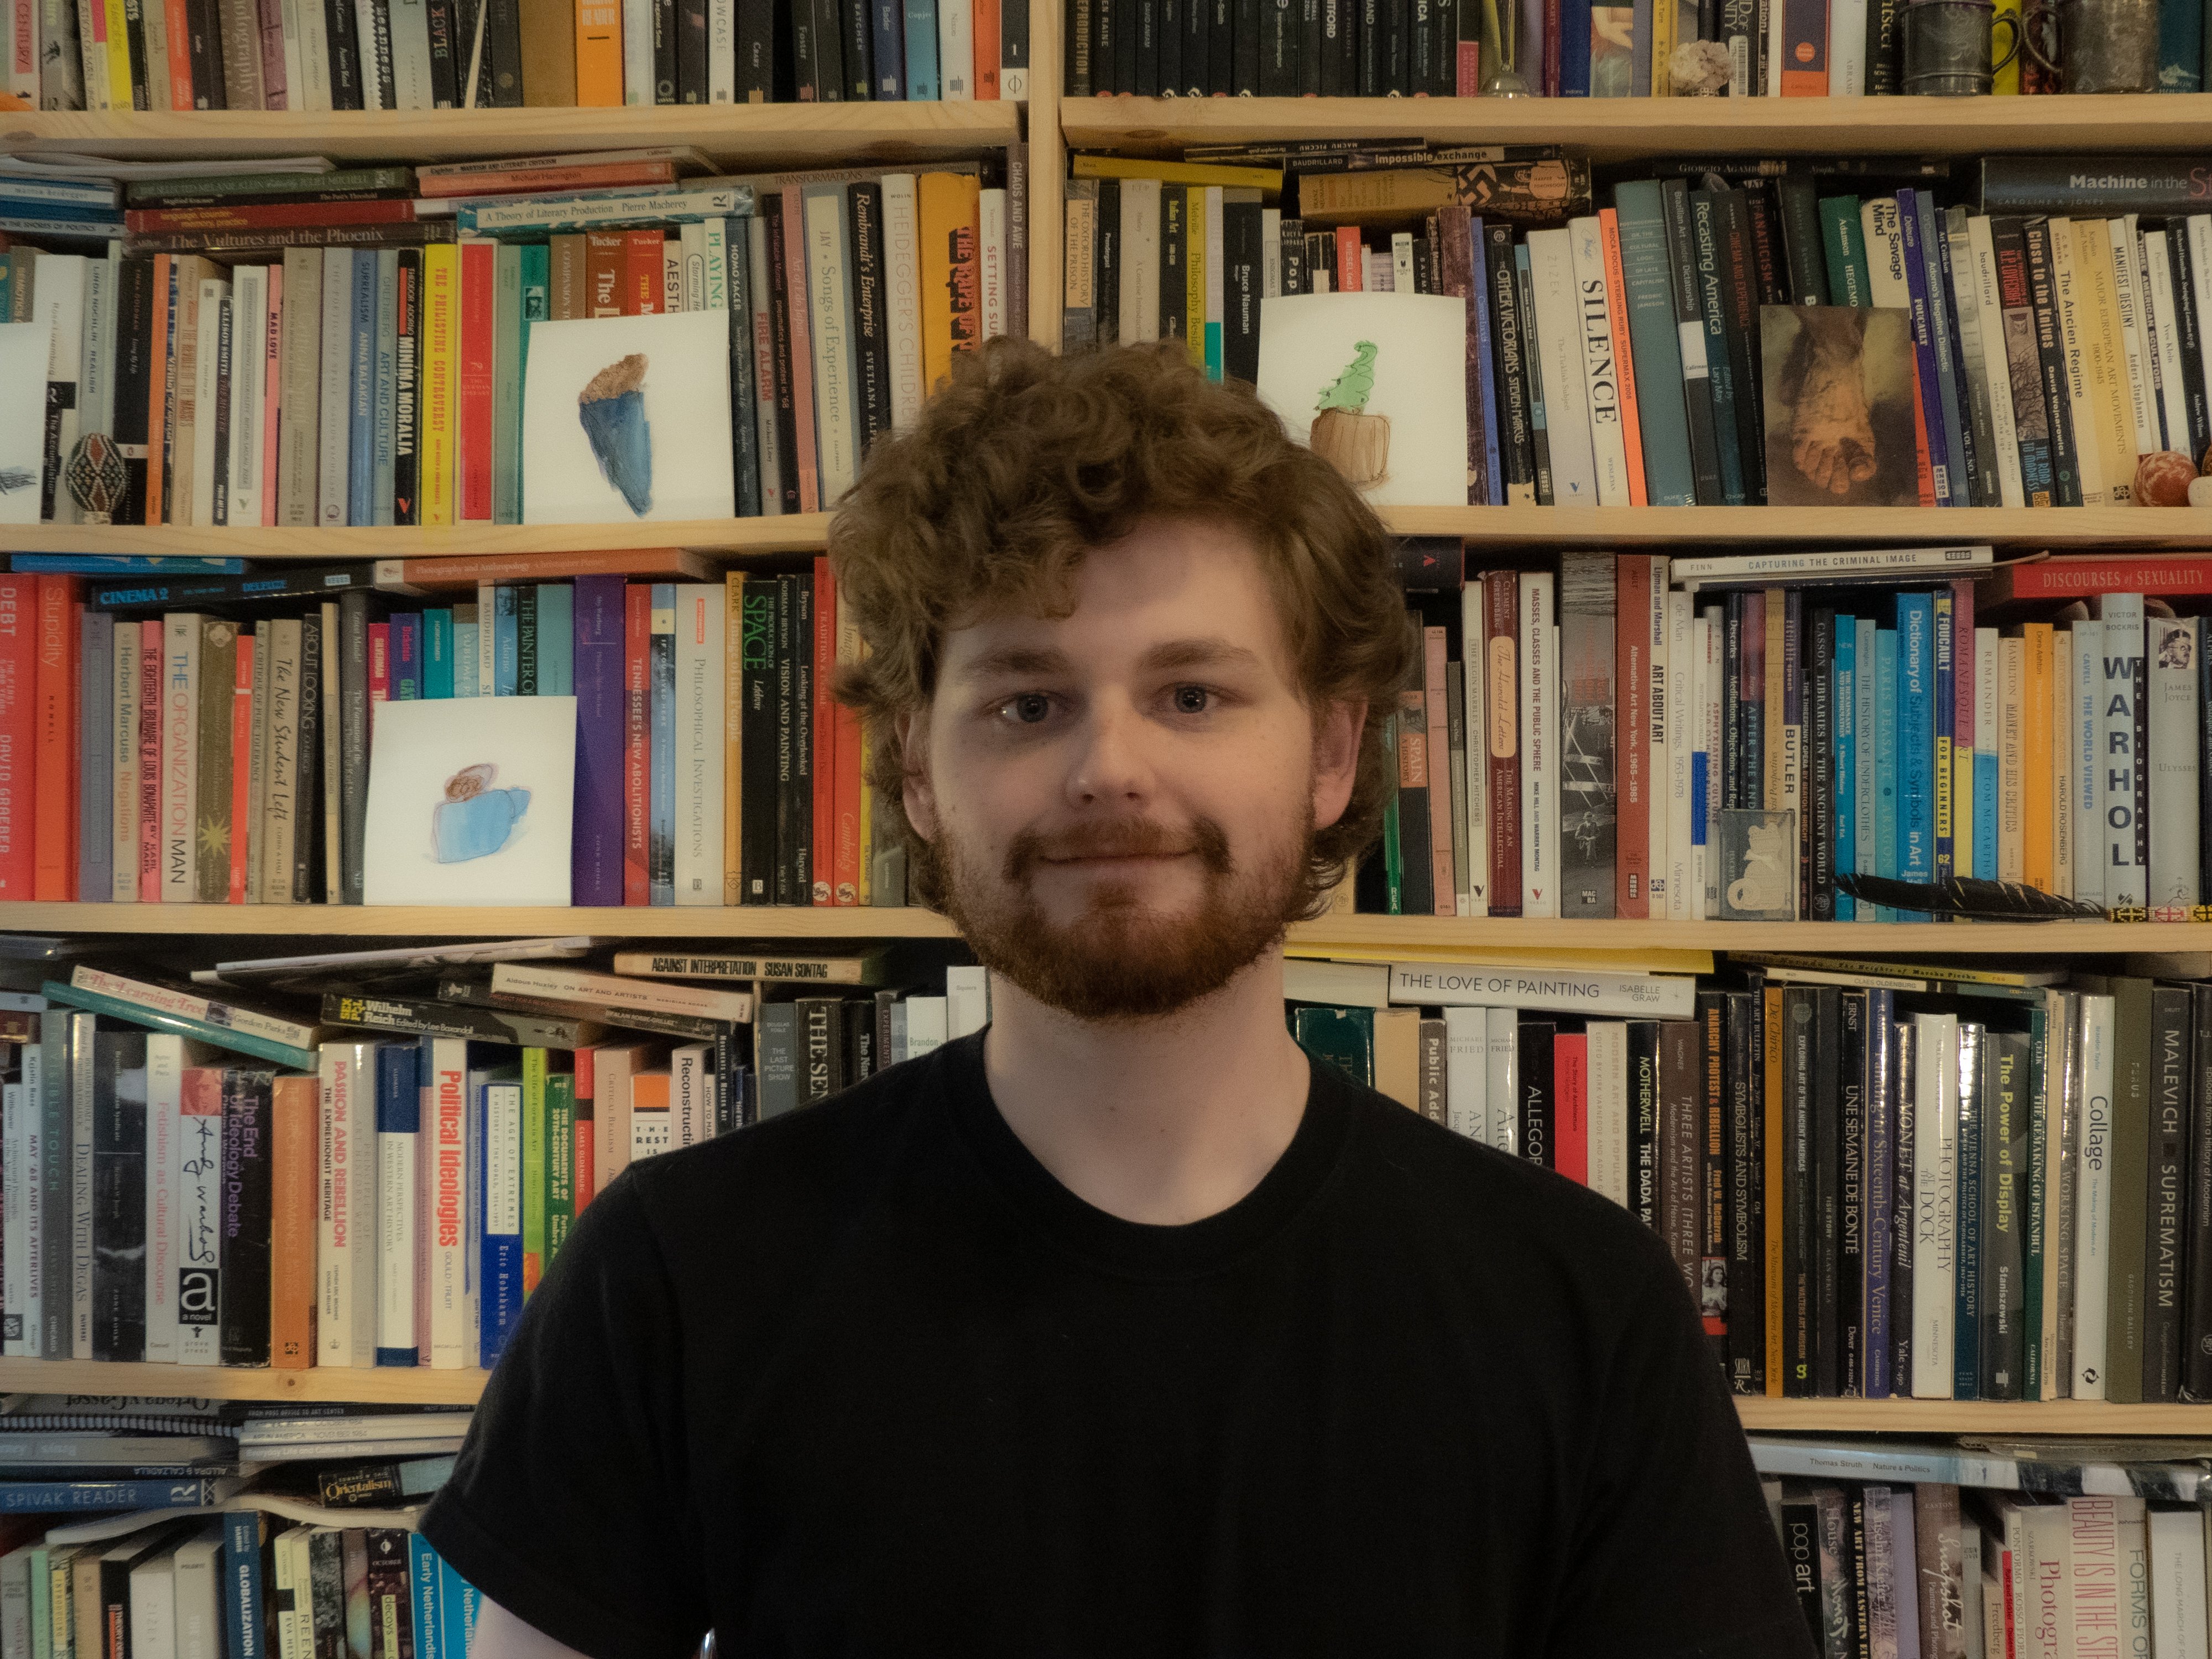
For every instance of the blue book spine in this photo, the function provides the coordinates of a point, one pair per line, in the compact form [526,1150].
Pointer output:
[383,500]
[464,660]
[921,51]
[1574,48]
[1946,714]
[361,468]
[1943,327]
[60,1497]
[1885,763]
[556,640]
[124,564]
[1923,347]
[1880,1140]
[425,1578]
[399,1130]
[437,653]
[661,818]
[1538,433]
[506,644]
[1845,703]
[460,1601]
[241,1583]
[1479,280]
[1916,743]
[1967,1325]
[406,655]
[887,28]
[499,1175]
[95,861]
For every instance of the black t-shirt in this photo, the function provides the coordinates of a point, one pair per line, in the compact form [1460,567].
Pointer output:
[867,1380]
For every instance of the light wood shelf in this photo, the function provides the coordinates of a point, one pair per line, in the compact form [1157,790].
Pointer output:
[2017,1417]
[1367,932]
[797,532]
[1611,128]
[386,1385]
[738,136]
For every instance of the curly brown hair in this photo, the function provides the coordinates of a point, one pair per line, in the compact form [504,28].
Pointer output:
[1024,461]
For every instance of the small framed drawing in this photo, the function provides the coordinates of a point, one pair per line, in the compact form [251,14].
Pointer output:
[1758,865]
[470,803]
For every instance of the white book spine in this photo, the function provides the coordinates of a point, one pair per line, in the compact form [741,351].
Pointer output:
[1401,263]
[2172,389]
[153,1602]
[2060,714]
[2125,878]
[1989,311]
[1670,750]
[369,63]
[180,714]
[2176,645]
[2177,1626]
[1592,991]
[1606,1042]
[164,1085]
[2088,649]
[207,481]
[335,457]
[1598,358]
[1560,352]
[1846,48]
[1936,1183]
[95,381]
[314,58]
[123,770]
[1502,1093]
[928,1021]
[990,261]
[902,296]
[199,1218]
[955,51]
[250,307]
[199,1599]
[1540,766]
[701,610]
[1140,211]
[398,1240]
[836,409]
[14,1220]
[1467,1073]
[687,1096]
[445,1126]
[2137,377]
[637,51]
[2092,1199]
[721,52]
[1886,282]
[1271,256]
[411,86]
[1475,689]
[967,1000]
[345,1236]
[651,1130]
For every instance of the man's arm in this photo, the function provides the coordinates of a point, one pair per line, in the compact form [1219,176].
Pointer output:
[500,1635]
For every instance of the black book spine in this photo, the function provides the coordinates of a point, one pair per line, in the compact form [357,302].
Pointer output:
[226,348]
[1767,256]
[819,1039]
[205,27]
[476,50]
[1241,286]
[1976,1081]
[1516,453]
[786,794]
[779,323]
[247,1104]
[1221,65]
[119,1196]
[1175,220]
[829,50]
[745,395]
[660,843]
[758,48]
[444,26]
[1367,56]
[1420,45]
[1804,256]
[1643,1122]
[1819,738]
[1197,34]
[860,82]
[1247,37]
[2163,1206]
[1532,372]
[1107,246]
[665,66]
[1856,1564]
[1535,1036]
[1075,29]
[691,52]
[134,300]
[2004,1214]
[1740,309]
[1745,1080]
[1277,26]
[1801,1549]
[803,671]
[1697,369]
[2065,462]
[1311,49]
[2188,328]
[861,1050]
[1294,277]
[1014,60]
[308,768]
[757,751]
[870,343]
[1145,69]
[134,29]
[345,53]
[1105,38]
[407,389]
[353,741]
[1902,1120]
[1397,26]
[1819,1219]
[1171,32]
[1884,48]
[1850,1193]
[2196,1344]
[1339,71]
[1716,1196]
[1798,1019]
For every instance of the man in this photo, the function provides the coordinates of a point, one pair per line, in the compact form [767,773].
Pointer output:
[1118,1329]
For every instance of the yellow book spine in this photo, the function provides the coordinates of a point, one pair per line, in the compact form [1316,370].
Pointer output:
[1772,1114]
[2106,357]
[952,319]
[2073,329]
[599,54]
[2012,798]
[442,392]
[1663,48]
[1193,279]
[733,713]
[1267,179]
[119,95]
[2036,762]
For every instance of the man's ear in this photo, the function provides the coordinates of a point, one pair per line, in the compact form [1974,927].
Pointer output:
[1336,759]
[918,796]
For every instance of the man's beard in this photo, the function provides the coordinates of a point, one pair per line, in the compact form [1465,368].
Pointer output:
[1120,959]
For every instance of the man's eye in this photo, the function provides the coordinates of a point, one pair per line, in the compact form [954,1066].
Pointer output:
[1028,708]
[1192,699]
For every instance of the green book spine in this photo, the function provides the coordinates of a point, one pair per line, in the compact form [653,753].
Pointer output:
[152,1019]
[507,386]
[1655,344]
[437,653]
[560,1160]
[1343,1037]
[2130,1142]
[1841,234]
[533,1167]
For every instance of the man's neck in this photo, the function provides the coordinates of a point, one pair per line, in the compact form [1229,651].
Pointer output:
[1163,1121]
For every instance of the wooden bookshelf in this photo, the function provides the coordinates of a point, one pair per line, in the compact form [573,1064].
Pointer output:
[2017,1417]
[1615,129]
[384,1386]
[795,532]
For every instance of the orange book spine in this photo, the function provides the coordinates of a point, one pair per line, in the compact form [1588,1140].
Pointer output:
[823,861]
[1925,468]
[18,681]
[852,759]
[802,342]
[598,55]
[950,320]
[157,379]
[1616,289]
[242,826]
[53,713]
[642,281]
[983,33]
[180,58]
[585,1136]
[292,1126]
[1351,261]
[586,1089]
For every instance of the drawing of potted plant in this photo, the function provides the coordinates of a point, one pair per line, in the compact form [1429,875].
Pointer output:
[1356,443]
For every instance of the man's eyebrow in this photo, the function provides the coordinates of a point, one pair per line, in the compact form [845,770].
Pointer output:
[1013,661]
[1208,651]
[1010,661]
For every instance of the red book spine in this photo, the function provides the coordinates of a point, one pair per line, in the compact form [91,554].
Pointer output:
[242,826]
[180,60]
[149,761]
[824,861]
[637,739]
[584,1171]
[983,31]
[53,789]
[1571,1106]
[1926,467]
[587,1082]
[19,604]
[802,347]
[1502,709]
[1631,673]
[642,281]
[263,215]
[1468,66]
[2079,578]
[380,665]
[479,283]
[1351,262]
[526,181]
[1443,870]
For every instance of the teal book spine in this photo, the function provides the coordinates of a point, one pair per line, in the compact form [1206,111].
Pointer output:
[556,640]
[437,653]
[1844,240]
[507,386]
[506,643]
[1985,807]
[1885,760]
[1343,1037]
[2180,46]
[465,659]
[1654,339]
[1845,704]
[154,1020]
[1916,743]
[1943,635]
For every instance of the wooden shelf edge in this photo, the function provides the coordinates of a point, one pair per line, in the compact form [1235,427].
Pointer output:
[390,1385]
[2097,1417]
[798,532]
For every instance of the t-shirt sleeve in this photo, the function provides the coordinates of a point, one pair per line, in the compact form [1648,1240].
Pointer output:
[1671,1552]
[568,1505]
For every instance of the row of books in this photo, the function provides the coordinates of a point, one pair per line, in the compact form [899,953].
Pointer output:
[192,384]
[162,748]
[1880,1181]
[482,54]
[383,1178]
[1672,348]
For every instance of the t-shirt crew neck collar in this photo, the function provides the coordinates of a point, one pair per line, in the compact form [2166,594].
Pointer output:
[1145,1250]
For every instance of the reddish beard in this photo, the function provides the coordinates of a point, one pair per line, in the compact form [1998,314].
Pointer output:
[1121,959]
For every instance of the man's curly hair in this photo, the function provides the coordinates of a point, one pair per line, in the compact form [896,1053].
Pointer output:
[1024,461]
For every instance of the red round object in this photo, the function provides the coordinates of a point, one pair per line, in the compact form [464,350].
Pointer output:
[2162,479]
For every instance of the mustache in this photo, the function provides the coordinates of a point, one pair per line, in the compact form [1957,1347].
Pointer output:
[1119,838]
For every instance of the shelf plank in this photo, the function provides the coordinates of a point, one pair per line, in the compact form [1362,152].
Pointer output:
[2097,1417]
[1473,935]
[386,1385]
[796,533]
[1614,128]
[740,136]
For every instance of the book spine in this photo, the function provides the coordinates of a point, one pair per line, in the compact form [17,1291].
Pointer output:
[248,1213]
[443,1196]
[2125,879]
[2094,1201]
[294,1109]
[637,742]
[660,848]
[398,1229]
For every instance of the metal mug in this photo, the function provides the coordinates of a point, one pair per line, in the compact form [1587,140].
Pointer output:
[1948,46]
[2103,45]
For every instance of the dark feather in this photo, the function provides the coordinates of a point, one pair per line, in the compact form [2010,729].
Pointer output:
[1968,897]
